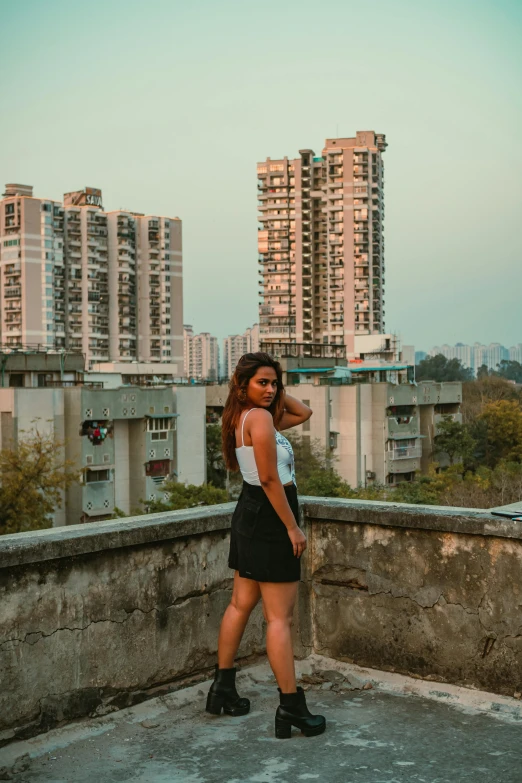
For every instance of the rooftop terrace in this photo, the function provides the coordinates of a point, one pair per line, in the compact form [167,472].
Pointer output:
[109,631]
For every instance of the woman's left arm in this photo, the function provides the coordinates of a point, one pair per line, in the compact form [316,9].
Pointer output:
[296,412]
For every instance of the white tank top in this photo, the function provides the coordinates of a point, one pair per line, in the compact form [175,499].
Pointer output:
[247,462]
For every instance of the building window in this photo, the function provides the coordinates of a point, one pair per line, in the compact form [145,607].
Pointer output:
[157,468]
[159,428]
[97,475]
[16,379]
[155,425]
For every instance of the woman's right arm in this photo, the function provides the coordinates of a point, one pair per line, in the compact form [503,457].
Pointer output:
[262,432]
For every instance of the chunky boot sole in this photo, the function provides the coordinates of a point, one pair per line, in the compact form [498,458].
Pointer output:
[283,729]
[217,703]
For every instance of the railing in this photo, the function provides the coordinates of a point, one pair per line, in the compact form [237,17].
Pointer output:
[34,348]
[406,452]
[295,350]
[85,384]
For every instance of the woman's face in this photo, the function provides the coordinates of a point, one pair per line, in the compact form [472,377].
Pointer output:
[262,387]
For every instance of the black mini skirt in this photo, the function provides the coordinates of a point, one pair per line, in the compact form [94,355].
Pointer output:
[260,548]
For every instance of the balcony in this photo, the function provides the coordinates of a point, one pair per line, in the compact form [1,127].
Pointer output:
[434,656]
[407,425]
[407,452]
[12,293]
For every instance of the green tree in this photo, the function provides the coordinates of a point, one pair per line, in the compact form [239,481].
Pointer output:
[455,440]
[510,370]
[482,372]
[33,477]
[438,368]
[501,427]
[186,496]
[314,468]
[216,470]
[476,395]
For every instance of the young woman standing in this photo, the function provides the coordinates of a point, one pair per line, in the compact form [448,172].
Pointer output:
[266,541]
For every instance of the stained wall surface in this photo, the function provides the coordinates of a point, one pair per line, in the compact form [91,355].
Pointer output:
[98,616]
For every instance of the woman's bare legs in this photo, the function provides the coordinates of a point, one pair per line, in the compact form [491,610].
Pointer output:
[245,595]
[278,608]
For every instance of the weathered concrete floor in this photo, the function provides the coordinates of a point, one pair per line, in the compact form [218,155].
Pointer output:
[378,735]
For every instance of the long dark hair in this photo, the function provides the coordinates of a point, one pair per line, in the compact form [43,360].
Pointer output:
[246,368]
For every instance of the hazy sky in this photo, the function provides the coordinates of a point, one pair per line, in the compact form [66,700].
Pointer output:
[168,105]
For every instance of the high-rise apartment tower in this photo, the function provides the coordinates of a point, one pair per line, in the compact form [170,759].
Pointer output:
[75,277]
[321,245]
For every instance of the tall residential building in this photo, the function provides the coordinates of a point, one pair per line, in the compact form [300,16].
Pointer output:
[477,355]
[464,353]
[321,246]
[188,334]
[235,345]
[75,277]
[515,353]
[201,353]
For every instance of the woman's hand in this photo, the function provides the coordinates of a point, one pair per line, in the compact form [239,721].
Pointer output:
[298,540]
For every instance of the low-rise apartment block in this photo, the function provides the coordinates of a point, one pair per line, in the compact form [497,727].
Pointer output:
[73,276]
[378,423]
[125,440]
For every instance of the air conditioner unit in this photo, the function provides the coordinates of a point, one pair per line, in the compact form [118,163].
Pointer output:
[370,474]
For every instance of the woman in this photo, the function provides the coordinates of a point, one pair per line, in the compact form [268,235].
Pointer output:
[266,542]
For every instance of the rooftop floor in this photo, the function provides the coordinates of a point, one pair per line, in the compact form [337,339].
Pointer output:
[381,728]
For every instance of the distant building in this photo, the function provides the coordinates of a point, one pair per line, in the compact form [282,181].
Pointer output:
[201,355]
[379,424]
[477,355]
[235,345]
[464,353]
[515,353]
[321,245]
[419,356]
[72,276]
[408,354]
[125,440]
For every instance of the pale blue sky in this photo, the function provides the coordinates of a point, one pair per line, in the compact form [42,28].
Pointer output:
[168,105]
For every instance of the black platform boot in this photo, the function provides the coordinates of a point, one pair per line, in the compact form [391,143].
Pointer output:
[292,711]
[223,695]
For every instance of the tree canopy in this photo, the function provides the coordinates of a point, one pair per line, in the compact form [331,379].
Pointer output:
[455,440]
[179,496]
[33,478]
[439,368]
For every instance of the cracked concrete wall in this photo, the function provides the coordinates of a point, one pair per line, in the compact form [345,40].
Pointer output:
[99,616]
[86,633]
[439,604]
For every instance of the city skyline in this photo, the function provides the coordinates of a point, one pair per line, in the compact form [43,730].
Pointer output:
[451,123]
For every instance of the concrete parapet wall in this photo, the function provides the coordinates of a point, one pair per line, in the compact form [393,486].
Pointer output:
[95,617]
[434,592]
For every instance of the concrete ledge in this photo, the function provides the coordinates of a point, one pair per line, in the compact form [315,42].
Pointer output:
[446,519]
[72,540]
